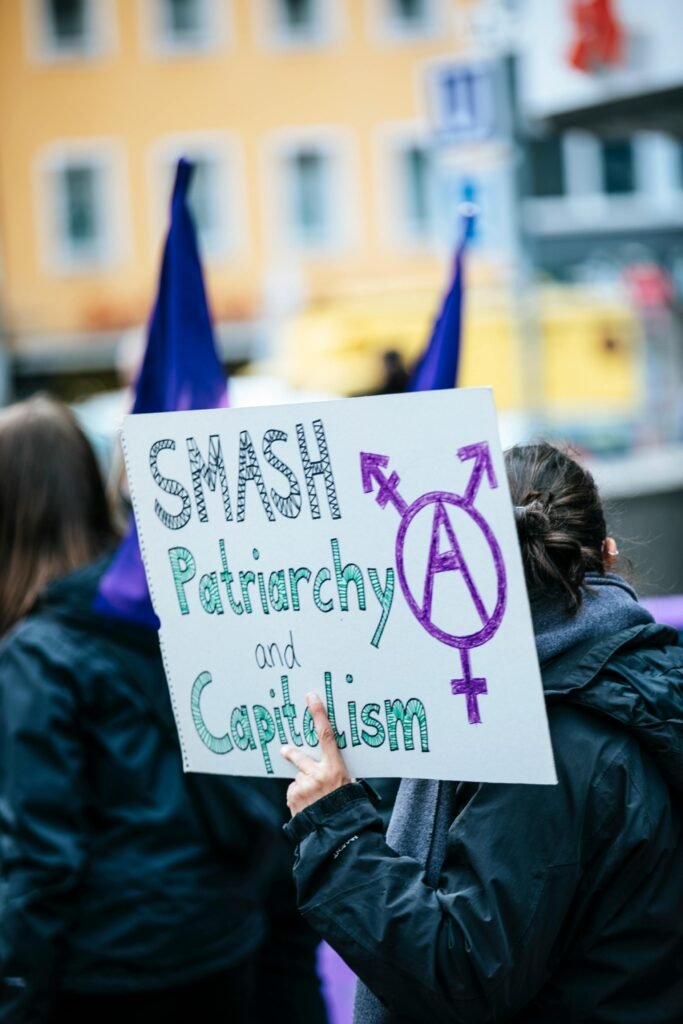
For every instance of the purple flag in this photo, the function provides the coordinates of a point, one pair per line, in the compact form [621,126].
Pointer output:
[180,370]
[437,367]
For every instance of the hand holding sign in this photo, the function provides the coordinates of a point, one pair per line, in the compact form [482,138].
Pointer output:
[316,778]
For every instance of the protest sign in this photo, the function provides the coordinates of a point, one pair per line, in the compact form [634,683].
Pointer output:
[365,549]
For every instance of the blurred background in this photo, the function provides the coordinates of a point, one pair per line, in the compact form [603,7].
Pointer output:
[334,141]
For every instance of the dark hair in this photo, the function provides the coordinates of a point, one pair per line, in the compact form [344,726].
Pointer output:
[560,521]
[54,515]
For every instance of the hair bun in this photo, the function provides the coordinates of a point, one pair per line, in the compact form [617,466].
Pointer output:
[533,520]
[560,521]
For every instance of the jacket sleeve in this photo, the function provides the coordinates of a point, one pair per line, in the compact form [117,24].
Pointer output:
[41,826]
[476,948]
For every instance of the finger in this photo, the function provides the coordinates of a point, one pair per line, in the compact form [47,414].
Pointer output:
[301,793]
[302,761]
[292,793]
[323,729]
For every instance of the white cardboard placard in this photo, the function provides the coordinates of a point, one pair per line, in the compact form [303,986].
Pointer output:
[362,548]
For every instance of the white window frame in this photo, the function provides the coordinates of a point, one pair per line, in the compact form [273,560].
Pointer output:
[586,206]
[42,49]
[657,169]
[230,240]
[217,30]
[654,156]
[385,28]
[275,36]
[56,254]
[391,139]
[337,144]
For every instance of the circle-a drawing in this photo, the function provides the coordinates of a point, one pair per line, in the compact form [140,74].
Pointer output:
[454,560]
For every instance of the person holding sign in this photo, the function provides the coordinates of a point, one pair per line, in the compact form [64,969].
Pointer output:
[525,903]
[128,891]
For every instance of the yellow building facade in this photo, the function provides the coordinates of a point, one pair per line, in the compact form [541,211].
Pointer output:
[308,122]
[98,97]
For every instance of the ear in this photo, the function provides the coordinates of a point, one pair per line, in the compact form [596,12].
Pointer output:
[610,552]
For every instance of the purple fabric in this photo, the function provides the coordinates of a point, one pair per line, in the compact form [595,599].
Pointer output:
[438,364]
[180,370]
[668,610]
[338,984]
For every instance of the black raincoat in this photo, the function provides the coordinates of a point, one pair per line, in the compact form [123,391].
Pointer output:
[555,904]
[117,872]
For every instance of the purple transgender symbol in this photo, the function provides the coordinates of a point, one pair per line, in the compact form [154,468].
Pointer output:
[451,559]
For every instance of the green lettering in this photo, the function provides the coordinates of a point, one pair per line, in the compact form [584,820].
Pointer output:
[216,744]
[368,715]
[385,597]
[322,576]
[240,727]
[209,595]
[265,730]
[183,569]
[396,712]
[294,576]
[350,573]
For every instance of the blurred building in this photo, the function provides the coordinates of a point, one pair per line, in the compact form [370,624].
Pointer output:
[305,118]
[601,105]
[601,102]
[334,140]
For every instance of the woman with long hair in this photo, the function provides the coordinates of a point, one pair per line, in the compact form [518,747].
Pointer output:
[54,515]
[128,891]
[534,904]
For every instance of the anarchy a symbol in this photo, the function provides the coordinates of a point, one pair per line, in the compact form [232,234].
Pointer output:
[446,557]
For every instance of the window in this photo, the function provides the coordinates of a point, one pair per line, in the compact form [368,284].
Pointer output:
[406,18]
[79,196]
[215,195]
[310,220]
[300,22]
[68,28]
[183,18]
[81,213]
[546,159]
[81,192]
[186,25]
[416,191]
[618,166]
[297,15]
[67,23]
[409,12]
[207,204]
[310,191]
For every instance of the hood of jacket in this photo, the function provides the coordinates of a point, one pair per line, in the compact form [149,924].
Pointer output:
[634,677]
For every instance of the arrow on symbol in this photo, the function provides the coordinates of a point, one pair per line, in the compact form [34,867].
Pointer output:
[482,465]
[371,470]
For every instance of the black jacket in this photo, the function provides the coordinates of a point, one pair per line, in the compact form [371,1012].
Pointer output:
[556,903]
[117,872]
